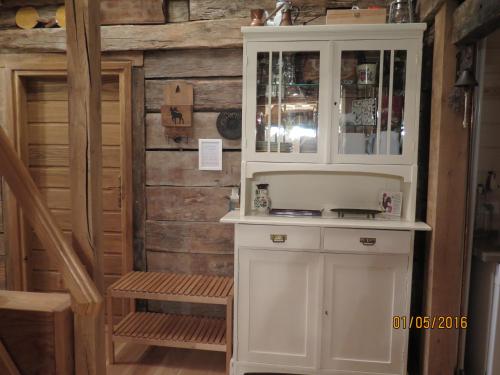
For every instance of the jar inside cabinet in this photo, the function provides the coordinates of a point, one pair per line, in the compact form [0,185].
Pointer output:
[286,116]
[371,106]
[287,102]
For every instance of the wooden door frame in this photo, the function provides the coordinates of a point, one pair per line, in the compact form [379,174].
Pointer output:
[17,69]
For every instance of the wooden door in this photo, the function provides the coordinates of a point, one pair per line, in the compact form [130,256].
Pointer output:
[362,293]
[278,307]
[42,136]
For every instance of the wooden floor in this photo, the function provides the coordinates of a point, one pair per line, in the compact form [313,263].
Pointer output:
[132,359]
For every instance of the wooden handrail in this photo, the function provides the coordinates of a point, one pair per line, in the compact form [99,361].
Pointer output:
[86,298]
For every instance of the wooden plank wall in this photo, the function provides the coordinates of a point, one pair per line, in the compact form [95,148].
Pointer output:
[2,235]
[183,204]
[48,162]
[489,153]
[2,243]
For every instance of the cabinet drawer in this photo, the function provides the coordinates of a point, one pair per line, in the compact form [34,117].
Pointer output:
[279,236]
[366,240]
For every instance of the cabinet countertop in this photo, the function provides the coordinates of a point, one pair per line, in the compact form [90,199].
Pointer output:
[233,217]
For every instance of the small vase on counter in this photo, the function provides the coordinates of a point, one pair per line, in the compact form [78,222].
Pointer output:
[262,202]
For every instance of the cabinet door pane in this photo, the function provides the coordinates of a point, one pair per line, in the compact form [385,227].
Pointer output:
[362,294]
[299,107]
[278,307]
[287,102]
[398,101]
[371,108]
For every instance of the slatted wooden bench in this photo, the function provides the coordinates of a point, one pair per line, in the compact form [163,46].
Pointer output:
[172,330]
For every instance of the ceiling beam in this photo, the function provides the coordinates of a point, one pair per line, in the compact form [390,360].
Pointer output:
[199,34]
[474,19]
[427,9]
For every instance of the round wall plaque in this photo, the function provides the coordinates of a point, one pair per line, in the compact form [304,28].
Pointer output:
[229,124]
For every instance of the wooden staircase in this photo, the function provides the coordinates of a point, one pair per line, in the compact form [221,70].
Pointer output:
[172,330]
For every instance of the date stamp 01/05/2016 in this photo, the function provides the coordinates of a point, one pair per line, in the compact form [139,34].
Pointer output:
[429,322]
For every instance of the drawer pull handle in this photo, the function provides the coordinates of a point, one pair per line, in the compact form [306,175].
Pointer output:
[367,241]
[278,238]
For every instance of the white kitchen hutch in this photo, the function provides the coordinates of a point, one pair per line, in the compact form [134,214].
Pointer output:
[330,121]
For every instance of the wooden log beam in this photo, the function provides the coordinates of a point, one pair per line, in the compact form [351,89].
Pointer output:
[446,207]
[209,95]
[204,126]
[115,12]
[165,203]
[474,19]
[202,34]
[180,168]
[427,9]
[24,3]
[214,9]
[222,62]
[189,237]
[85,140]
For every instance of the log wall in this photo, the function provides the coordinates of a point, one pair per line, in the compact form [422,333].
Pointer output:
[184,204]
[177,207]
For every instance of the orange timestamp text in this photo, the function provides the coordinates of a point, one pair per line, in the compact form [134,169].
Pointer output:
[429,322]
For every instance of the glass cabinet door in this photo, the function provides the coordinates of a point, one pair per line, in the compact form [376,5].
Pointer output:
[287,104]
[370,102]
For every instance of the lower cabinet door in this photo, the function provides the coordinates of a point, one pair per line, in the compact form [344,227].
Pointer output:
[278,307]
[362,293]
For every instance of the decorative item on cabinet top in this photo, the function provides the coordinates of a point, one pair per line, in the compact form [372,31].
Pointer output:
[284,14]
[401,11]
[372,15]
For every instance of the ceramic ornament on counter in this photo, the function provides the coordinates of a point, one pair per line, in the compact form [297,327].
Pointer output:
[391,204]
[262,202]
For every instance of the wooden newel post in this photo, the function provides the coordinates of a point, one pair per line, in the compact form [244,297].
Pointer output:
[84,89]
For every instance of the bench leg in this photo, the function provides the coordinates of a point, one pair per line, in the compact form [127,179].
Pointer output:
[109,332]
[229,334]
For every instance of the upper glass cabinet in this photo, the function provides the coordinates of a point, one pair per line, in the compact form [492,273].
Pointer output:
[332,101]
[373,101]
[285,113]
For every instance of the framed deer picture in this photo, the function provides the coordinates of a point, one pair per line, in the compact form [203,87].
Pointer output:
[177,115]
[177,112]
